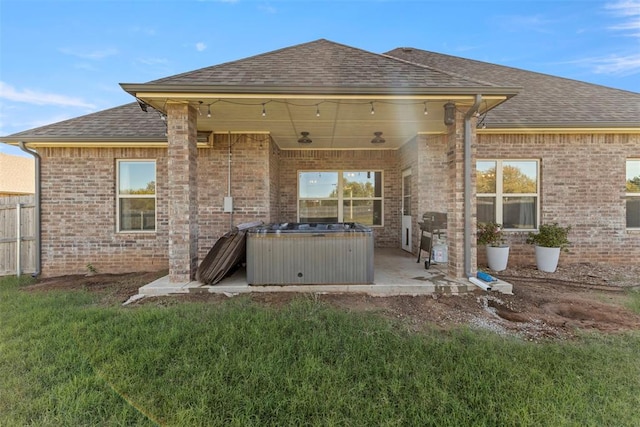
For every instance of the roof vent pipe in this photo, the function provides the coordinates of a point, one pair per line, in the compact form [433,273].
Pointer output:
[36,157]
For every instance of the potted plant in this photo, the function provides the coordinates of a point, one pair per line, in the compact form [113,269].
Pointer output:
[490,235]
[549,241]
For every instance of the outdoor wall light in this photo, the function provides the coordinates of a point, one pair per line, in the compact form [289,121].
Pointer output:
[378,139]
[304,139]
[449,113]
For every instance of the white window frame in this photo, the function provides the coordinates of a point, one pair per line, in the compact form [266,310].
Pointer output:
[135,196]
[340,199]
[629,195]
[499,194]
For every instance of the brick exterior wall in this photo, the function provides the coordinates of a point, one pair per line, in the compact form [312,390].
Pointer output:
[426,156]
[79,195]
[78,213]
[183,191]
[292,161]
[582,185]
[252,187]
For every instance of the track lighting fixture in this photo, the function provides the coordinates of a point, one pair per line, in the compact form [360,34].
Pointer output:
[378,139]
[304,139]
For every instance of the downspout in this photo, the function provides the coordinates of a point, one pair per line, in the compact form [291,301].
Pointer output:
[38,239]
[467,184]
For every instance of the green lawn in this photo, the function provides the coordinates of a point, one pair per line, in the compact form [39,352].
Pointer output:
[69,359]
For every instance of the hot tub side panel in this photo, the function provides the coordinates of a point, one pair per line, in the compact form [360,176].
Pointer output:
[309,258]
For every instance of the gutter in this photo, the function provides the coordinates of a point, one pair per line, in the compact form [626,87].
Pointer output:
[37,230]
[467,185]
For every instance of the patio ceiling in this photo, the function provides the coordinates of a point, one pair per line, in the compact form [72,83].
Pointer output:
[333,122]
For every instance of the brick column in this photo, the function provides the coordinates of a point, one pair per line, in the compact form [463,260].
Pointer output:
[182,192]
[456,201]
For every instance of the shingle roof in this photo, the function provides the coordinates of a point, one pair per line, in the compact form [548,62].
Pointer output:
[545,100]
[322,63]
[122,123]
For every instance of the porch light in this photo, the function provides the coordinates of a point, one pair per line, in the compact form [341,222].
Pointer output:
[209,110]
[304,139]
[378,139]
[449,113]
[425,109]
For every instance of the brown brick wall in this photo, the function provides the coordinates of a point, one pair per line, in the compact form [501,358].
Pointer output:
[582,180]
[251,187]
[79,218]
[291,161]
[582,185]
[426,155]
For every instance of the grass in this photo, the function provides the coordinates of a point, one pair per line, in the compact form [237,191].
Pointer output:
[66,359]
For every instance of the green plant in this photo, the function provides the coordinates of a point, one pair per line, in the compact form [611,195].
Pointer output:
[490,234]
[91,269]
[550,236]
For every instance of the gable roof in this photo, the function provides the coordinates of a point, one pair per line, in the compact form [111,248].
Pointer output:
[545,101]
[320,64]
[325,67]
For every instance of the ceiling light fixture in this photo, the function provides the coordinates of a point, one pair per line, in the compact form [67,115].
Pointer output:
[378,139]
[199,110]
[425,109]
[264,110]
[209,110]
[317,110]
[373,111]
[304,139]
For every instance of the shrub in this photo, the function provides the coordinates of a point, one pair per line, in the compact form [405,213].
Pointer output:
[550,236]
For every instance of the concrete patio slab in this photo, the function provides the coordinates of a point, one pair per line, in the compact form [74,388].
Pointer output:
[395,273]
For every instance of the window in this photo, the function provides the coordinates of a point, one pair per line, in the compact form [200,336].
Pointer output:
[136,198]
[340,196]
[507,193]
[633,193]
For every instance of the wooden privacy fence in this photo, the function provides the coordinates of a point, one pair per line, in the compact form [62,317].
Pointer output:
[17,235]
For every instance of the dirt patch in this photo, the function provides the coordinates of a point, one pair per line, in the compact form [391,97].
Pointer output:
[543,305]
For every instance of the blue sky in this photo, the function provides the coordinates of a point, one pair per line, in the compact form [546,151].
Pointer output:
[63,59]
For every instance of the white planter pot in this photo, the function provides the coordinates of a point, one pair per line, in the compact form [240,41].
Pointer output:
[547,258]
[497,257]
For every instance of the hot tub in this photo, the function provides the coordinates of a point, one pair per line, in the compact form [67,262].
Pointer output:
[310,254]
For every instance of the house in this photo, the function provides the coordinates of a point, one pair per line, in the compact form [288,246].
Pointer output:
[17,176]
[322,131]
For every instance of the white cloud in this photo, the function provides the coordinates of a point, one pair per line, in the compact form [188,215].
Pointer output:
[621,65]
[94,55]
[629,10]
[152,61]
[200,46]
[29,96]
[268,9]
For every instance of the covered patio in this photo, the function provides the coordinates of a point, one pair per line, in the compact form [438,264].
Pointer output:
[396,273]
[321,118]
